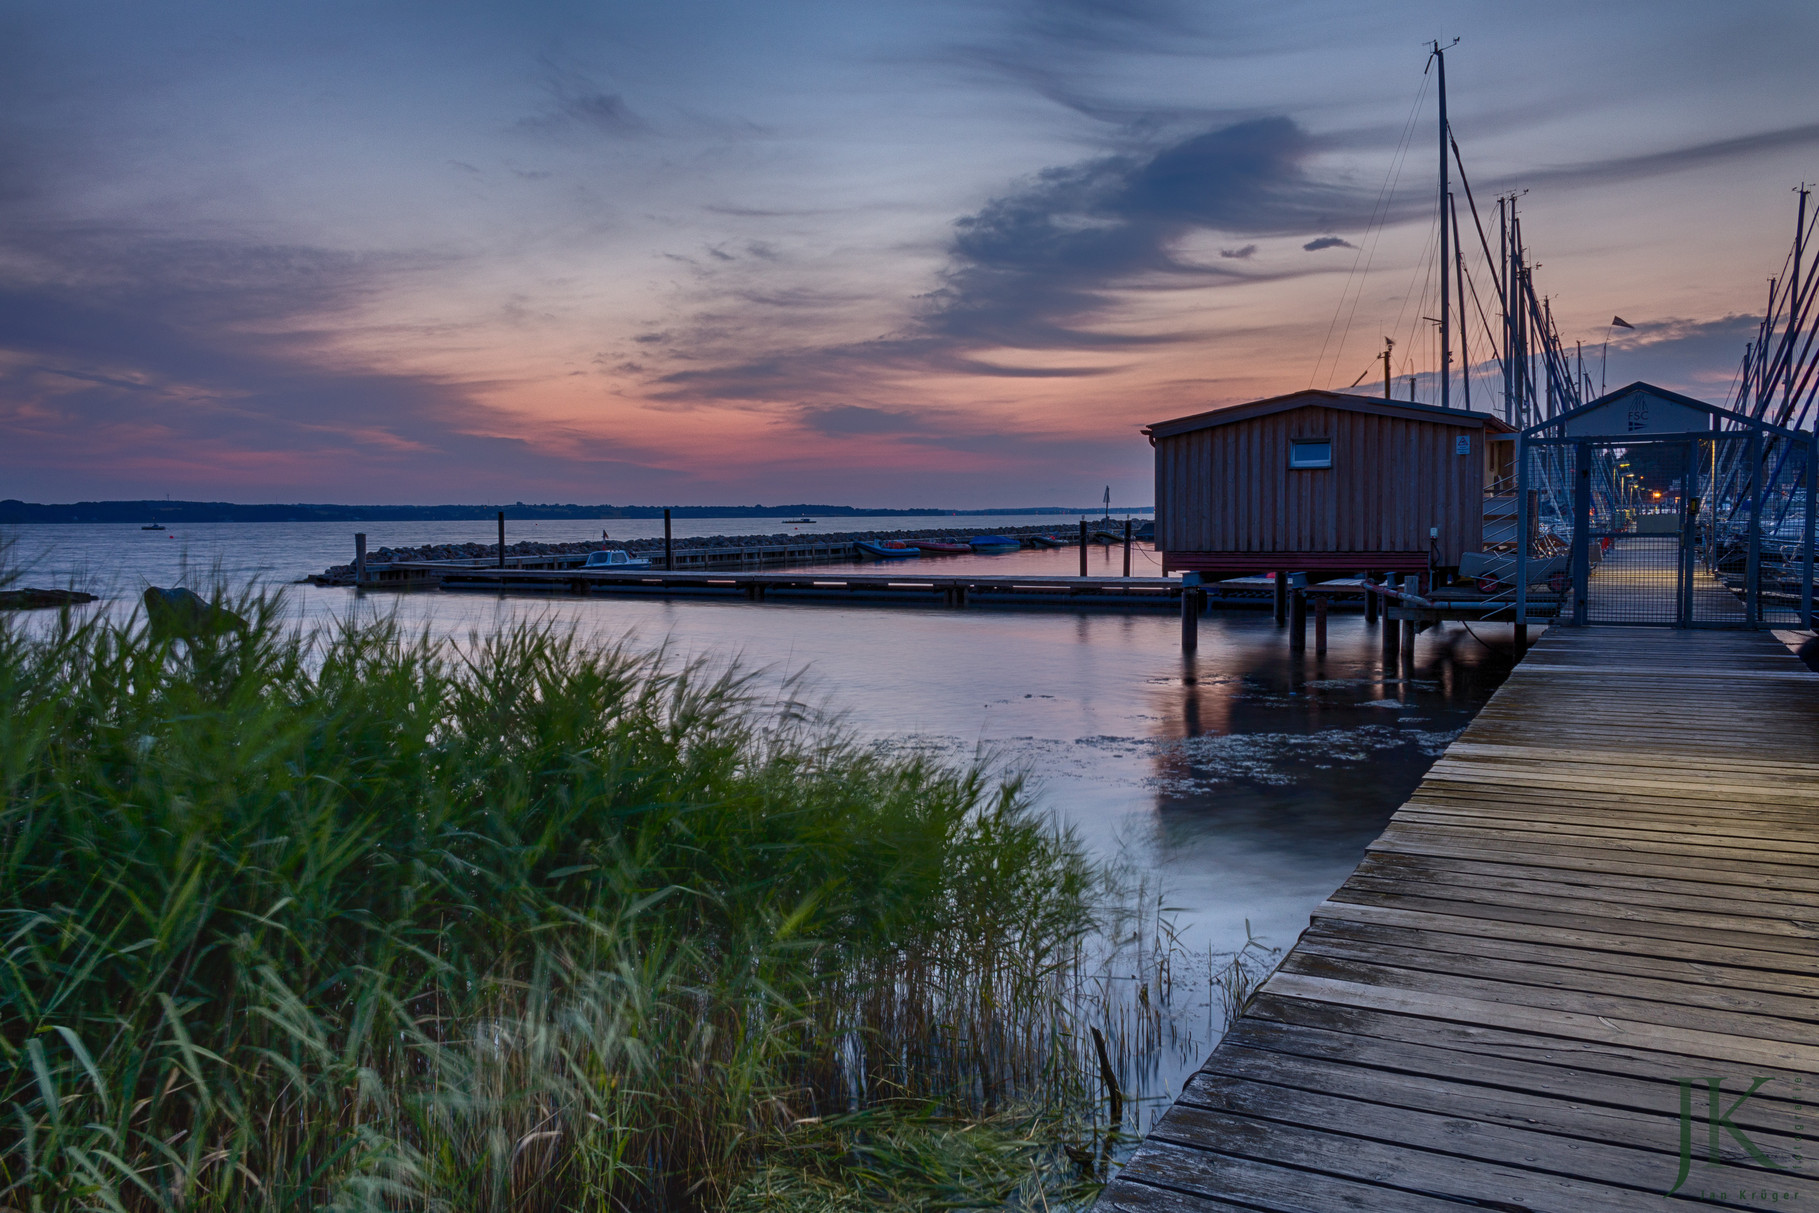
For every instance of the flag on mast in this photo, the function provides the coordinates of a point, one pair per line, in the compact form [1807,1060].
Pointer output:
[1618,322]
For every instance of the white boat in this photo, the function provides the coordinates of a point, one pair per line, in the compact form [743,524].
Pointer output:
[616,558]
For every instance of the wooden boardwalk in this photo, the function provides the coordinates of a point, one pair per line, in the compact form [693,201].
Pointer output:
[1603,897]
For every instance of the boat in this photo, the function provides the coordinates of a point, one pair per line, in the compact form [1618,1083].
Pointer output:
[156,526]
[886,549]
[807,520]
[616,558]
[1048,541]
[931,548]
[993,544]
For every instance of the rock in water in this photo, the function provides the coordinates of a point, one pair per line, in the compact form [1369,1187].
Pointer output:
[181,612]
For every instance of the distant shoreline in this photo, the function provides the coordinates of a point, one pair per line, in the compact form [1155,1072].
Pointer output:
[22,512]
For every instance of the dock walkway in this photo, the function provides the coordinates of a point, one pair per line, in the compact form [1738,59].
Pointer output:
[1557,978]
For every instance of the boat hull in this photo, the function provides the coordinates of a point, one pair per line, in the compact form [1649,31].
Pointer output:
[879,552]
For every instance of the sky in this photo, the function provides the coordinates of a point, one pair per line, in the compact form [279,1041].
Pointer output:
[927,252]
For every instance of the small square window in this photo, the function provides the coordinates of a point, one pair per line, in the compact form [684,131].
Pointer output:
[1310,453]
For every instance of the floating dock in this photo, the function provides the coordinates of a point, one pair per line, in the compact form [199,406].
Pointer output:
[903,586]
[1579,970]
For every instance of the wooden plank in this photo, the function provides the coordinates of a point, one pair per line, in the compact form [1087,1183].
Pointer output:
[1608,887]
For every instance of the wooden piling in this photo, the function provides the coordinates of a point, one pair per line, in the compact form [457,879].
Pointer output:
[1083,547]
[501,538]
[1521,640]
[669,550]
[1190,618]
[1127,547]
[1408,635]
[1392,633]
[1371,603]
[1319,625]
[1281,596]
[1297,619]
[359,557]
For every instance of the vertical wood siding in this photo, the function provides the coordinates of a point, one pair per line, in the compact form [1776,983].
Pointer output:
[1229,488]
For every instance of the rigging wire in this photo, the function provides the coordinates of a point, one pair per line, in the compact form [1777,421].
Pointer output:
[1367,250]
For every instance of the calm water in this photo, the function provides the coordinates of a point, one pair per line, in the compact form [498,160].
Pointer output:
[1245,780]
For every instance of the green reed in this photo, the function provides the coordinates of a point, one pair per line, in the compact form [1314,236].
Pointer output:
[351,918]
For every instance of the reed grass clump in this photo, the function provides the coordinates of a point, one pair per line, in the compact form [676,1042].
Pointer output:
[352,919]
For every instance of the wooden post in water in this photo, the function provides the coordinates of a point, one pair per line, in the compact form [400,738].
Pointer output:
[1190,618]
[501,538]
[1371,603]
[359,557]
[1319,625]
[1297,619]
[669,551]
[1408,635]
[1083,547]
[1127,547]
[1392,633]
[1521,640]
[1281,596]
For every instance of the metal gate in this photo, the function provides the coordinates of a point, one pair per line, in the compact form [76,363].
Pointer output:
[1706,529]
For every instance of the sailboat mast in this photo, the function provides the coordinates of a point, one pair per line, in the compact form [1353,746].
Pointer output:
[1503,298]
[1793,307]
[1446,261]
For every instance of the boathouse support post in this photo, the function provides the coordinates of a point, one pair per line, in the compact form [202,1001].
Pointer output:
[1319,625]
[1392,634]
[1806,540]
[1521,640]
[1190,614]
[1371,601]
[501,538]
[1083,547]
[1127,547]
[359,557]
[1752,575]
[1297,619]
[1281,596]
[1408,635]
[1582,525]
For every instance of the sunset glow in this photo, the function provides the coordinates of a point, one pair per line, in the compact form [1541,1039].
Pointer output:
[944,254]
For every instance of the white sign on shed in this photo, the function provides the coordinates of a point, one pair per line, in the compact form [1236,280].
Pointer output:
[1639,413]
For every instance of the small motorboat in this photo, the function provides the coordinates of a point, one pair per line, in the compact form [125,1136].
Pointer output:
[616,558]
[991,545]
[805,520]
[931,548]
[156,526]
[1048,541]
[886,549]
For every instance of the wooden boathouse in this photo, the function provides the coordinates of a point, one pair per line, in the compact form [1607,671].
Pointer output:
[1326,483]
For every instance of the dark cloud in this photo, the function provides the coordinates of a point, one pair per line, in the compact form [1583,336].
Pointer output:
[1656,164]
[579,105]
[849,420]
[1044,265]
[1239,254]
[1314,246]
